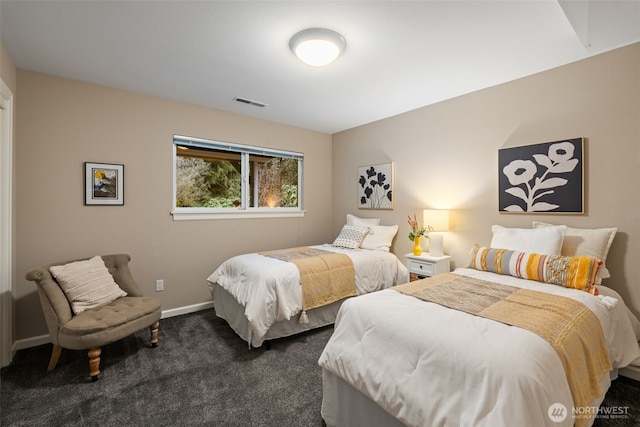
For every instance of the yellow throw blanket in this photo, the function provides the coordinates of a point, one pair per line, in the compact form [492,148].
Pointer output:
[325,276]
[567,325]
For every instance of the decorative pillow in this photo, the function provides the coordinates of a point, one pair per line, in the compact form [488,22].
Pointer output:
[87,284]
[379,237]
[351,236]
[547,240]
[367,222]
[584,241]
[576,272]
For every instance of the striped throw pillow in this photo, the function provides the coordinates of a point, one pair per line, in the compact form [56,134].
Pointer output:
[576,272]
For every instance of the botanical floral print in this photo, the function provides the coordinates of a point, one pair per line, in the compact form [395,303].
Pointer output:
[533,181]
[376,191]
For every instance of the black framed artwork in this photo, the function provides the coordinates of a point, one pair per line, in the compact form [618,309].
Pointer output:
[103,184]
[542,178]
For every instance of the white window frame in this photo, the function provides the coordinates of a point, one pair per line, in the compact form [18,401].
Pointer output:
[242,211]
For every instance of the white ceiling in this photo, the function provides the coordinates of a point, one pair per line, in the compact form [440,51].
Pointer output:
[400,55]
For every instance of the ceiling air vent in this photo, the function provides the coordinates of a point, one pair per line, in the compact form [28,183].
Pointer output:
[249,102]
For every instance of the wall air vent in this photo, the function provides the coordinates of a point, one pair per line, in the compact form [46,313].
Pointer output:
[249,102]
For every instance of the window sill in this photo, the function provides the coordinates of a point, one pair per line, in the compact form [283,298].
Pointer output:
[239,214]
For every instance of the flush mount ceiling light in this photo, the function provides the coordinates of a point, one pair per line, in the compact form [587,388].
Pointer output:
[317,46]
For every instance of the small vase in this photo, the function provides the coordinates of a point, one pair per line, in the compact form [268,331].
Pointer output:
[417,249]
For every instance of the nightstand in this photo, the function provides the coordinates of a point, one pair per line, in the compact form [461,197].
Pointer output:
[425,265]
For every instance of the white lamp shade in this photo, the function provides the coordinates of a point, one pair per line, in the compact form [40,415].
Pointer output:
[317,46]
[436,218]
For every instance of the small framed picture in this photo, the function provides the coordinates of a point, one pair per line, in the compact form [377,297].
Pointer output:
[103,184]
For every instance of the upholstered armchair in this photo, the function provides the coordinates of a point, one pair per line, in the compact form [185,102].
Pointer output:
[82,327]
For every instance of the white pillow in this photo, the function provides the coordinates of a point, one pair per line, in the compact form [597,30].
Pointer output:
[379,237]
[367,222]
[87,284]
[584,241]
[547,240]
[351,236]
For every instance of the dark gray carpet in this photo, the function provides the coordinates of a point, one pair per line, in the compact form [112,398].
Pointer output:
[201,374]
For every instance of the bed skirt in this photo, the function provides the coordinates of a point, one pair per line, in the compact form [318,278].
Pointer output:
[229,309]
[343,405]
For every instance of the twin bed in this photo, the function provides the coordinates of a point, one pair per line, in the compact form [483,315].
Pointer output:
[394,359]
[261,297]
[515,338]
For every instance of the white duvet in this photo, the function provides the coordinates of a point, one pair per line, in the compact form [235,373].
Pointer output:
[270,291]
[428,365]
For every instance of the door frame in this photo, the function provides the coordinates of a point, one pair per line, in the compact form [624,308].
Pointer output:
[6,224]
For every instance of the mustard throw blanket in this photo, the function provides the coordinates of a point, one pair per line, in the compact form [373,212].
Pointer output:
[567,325]
[325,276]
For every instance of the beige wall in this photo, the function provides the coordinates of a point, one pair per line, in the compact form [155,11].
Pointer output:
[63,123]
[446,156]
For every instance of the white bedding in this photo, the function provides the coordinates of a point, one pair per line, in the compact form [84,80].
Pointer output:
[428,365]
[270,291]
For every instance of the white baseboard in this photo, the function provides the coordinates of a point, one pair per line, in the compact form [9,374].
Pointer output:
[186,310]
[31,342]
[45,339]
[631,371]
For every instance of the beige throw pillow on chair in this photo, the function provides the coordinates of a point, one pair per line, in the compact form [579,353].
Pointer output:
[86,284]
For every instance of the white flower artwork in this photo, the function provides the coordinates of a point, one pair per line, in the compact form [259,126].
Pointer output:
[542,178]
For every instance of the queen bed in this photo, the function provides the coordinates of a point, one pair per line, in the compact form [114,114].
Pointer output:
[423,353]
[263,296]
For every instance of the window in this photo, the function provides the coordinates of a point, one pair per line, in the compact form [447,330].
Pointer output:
[214,179]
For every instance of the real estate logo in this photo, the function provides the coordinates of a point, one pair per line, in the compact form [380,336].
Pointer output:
[557,412]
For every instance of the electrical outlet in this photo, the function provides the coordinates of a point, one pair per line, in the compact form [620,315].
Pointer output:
[159,285]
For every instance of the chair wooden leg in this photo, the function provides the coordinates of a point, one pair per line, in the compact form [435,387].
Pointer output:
[154,334]
[94,363]
[55,355]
